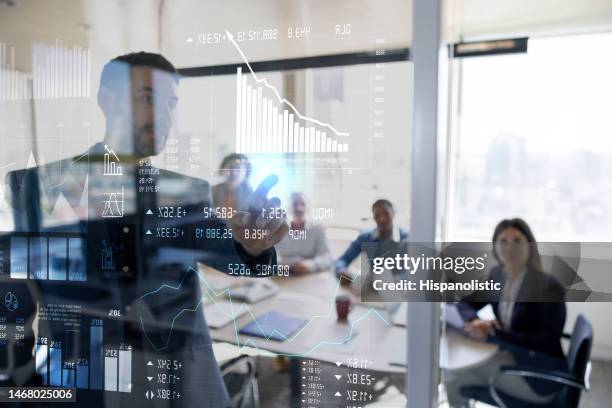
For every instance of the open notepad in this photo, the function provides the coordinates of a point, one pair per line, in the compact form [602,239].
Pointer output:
[273,325]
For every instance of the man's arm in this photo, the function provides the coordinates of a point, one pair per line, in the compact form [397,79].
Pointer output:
[323,258]
[350,254]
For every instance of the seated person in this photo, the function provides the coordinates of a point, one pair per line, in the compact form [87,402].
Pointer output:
[383,213]
[310,253]
[528,331]
[234,191]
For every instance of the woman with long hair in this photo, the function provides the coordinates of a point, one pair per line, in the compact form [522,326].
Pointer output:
[529,317]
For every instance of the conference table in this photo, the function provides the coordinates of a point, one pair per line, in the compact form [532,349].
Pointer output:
[369,336]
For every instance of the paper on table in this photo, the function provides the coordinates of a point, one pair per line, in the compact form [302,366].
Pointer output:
[222,312]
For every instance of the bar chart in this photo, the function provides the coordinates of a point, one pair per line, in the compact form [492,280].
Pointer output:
[263,126]
[108,368]
[14,85]
[48,258]
[59,71]
[111,167]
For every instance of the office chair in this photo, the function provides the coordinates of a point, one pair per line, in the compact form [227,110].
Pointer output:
[240,377]
[572,382]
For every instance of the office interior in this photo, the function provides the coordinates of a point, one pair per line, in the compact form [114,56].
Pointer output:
[461,113]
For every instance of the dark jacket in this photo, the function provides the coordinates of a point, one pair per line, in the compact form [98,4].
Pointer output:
[538,316]
[149,281]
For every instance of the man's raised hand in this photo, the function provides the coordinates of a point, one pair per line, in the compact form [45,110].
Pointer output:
[264,223]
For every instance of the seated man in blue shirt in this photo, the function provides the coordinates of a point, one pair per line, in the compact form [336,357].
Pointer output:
[383,213]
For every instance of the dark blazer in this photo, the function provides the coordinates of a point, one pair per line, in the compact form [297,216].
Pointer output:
[538,317]
[161,301]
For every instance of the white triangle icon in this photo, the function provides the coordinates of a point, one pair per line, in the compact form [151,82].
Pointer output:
[31,161]
[337,394]
[338,376]
[149,212]
[149,363]
[189,39]
[338,363]
[149,378]
[148,232]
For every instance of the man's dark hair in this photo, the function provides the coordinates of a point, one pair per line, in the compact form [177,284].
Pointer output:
[237,158]
[113,73]
[386,203]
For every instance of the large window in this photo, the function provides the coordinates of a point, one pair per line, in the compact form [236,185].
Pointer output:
[533,139]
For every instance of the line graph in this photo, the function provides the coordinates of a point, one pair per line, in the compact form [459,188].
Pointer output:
[263,127]
[212,295]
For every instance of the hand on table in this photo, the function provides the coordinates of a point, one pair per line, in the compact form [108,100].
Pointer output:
[260,227]
[481,329]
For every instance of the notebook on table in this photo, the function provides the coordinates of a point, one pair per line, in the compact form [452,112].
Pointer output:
[274,325]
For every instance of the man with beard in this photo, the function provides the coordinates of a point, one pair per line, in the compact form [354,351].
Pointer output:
[130,249]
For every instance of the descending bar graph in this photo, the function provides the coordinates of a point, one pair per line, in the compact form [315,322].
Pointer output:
[264,125]
[60,72]
[262,128]
[111,168]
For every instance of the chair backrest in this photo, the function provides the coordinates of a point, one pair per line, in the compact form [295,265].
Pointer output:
[578,355]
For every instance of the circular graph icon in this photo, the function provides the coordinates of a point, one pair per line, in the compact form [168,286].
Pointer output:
[10,301]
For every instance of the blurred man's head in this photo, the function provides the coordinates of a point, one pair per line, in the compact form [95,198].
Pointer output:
[383,216]
[298,207]
[138,96]
[236,168]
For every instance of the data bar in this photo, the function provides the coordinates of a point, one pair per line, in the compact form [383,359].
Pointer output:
[253,137]
[68,376]
[291,146]
[265,134]
[249,110]
[95,356]
[110,373]
[82,376]
[38,258]
[55,366]
[296,133]
[41,363]
[58,258]
[19,258]
[243,109]
[259,123]
[77,268]
[238,110]
[125,370]
[285,131]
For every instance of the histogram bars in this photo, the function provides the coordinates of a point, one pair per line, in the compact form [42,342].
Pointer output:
[57,72]
[262,128]
[60,72]
[14,85]
[108,367]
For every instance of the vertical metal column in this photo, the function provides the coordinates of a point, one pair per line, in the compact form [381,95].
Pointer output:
[422,372]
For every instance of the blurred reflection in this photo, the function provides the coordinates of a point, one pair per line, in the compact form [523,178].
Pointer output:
[104,249]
